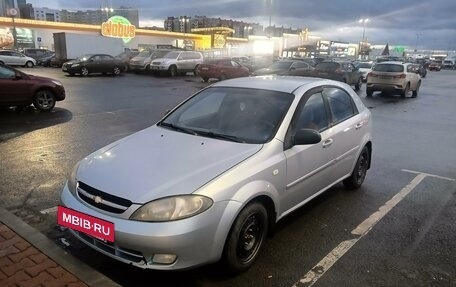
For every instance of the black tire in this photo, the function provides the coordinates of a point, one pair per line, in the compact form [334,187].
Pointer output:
[29,64]
[116,71]
[222,77]
[405,91]
[71,74]
[359,84]
[44,100]
[246,238]
[358,175]
[205,79]
[147,69]
[173,71]
[415,92]
[195,71]
[84,71]
[369,93]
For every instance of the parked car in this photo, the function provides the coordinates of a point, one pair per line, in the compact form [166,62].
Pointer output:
[56,62]
[283,68]
[365,68]
[218,171]
[46,61]
[177,62]
[13,58]
[419,69]
[125,58]
[339,71]
[434,66]
[393,77]
[142,62]
[97,63]
[38,54]
[244,61]
[221,69]
[20,89]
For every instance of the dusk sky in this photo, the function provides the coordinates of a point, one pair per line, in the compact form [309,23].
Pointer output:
[428,24]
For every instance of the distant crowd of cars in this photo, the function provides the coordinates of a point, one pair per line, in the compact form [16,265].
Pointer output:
[389,74]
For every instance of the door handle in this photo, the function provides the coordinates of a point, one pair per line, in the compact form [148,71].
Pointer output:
[327,143]
[359,125]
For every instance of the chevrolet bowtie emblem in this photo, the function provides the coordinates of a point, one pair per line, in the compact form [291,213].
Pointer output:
[98,199]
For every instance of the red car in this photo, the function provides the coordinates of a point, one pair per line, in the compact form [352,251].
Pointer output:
[20,89]
[434,66]
[223,68]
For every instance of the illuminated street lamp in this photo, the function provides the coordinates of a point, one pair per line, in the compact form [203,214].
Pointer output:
[363,42]
[107,10]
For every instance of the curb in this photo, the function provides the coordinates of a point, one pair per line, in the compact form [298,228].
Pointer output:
[79,269]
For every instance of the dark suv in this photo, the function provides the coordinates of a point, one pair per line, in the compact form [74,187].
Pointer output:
[38,54]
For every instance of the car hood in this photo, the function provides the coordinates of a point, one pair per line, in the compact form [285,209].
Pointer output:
[33,77]
[158,162]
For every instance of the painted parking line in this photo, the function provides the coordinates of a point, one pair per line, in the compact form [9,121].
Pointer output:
[361,230]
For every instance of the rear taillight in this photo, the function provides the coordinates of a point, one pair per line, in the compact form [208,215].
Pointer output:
[401,76]
[373,75]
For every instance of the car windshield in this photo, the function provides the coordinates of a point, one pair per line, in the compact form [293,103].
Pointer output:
[392,68]
[365,65]
[84,57]
[171,55]
[327,66]
[280,65]
[233,114]
[159,54]
[144,53]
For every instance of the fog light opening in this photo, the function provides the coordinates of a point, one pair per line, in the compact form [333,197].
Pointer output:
[164,258]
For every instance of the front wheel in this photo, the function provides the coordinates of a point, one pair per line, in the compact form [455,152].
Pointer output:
[358,175]
[84,71]
[369,93]
[44,100]
[246,237]
[173,71]
[116,71]
[29,64]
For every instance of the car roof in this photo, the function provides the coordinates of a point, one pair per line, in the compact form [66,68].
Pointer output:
[286,84]
[392,62]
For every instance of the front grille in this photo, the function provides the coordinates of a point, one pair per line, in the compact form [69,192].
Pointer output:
[102,200]
[124,253]
[156,63]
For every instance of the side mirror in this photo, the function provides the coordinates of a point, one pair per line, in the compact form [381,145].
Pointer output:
[17,76]
[306,137]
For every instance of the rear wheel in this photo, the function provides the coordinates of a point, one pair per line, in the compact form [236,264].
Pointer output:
[246,237]
[205,79]
[29,64]
[195,71]
[358,175]
[222,77]
[405,91]
[369,92]
[44,100]
[415,92]
[359,84]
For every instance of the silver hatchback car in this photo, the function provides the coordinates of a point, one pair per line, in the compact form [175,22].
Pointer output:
[210,179]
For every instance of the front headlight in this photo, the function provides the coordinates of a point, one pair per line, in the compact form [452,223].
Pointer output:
[57,83]
[72,181]
[172,208]
[74,65]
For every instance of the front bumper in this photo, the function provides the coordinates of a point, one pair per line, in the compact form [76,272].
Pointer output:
[159,67]
[195,241]
[385,87]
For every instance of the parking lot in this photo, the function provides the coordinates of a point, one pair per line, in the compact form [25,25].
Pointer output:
[397,230]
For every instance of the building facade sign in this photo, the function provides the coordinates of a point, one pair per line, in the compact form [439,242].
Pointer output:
[118,27]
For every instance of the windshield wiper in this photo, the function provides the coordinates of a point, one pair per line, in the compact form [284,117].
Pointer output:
[220,136]
[177,128]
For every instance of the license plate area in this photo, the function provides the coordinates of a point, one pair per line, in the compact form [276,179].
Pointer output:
[90,225]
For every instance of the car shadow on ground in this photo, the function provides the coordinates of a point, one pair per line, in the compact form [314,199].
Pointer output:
[15,122]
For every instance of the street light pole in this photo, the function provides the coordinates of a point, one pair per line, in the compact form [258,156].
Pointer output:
[270,17]
[363,41]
